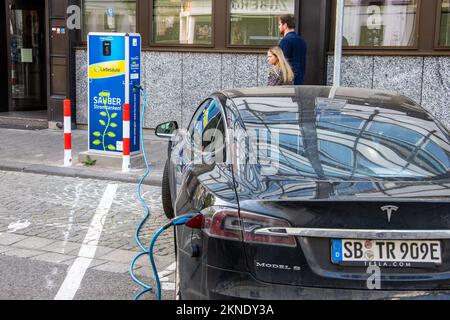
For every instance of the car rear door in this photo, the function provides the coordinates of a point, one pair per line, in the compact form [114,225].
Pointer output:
[203,180]
[181,155]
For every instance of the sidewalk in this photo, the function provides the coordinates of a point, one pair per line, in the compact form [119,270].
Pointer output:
[42,152]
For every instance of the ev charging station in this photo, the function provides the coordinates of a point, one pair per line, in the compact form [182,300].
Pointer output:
[114,61]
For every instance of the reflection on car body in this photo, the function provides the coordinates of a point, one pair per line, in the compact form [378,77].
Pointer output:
[307,177]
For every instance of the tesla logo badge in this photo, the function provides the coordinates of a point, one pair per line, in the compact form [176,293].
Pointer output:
[389,210]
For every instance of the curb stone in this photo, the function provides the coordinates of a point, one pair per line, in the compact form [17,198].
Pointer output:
[154,179]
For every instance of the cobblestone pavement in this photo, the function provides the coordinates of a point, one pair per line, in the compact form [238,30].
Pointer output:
[61,209]
[47,218]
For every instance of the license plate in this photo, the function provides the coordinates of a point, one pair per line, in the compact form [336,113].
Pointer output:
[386,253]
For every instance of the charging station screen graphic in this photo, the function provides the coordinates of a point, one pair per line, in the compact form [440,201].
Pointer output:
[114,69]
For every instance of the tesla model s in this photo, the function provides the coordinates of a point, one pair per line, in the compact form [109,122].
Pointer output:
[310,192]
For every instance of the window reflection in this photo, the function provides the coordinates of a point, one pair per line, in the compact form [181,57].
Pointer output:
[444,37]
[390,23]
[255,22]
[374,144]
[109,16]
[182,21]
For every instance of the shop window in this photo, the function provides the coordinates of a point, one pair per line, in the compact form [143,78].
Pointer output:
[255,22]
[182,22]
[380,23]
[444,35]
[109,16]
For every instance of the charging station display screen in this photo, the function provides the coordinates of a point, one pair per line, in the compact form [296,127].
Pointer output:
[114,67]
[106,48]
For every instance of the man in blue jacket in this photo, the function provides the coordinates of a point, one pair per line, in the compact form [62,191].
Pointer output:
[293,46]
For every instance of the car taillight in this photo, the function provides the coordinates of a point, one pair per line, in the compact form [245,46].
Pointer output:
[196,222]
[227,224]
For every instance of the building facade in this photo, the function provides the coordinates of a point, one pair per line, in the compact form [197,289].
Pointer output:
[402,46]
[192,48]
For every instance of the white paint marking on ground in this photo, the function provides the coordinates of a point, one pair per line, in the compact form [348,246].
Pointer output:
[50,279]
[172,267]
[169,270]
[166,284]
[71,217]
[77,271]
[19,225]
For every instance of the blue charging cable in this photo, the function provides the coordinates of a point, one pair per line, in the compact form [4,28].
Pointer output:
[174,222]
[181,220]
[145,251]
[147,288]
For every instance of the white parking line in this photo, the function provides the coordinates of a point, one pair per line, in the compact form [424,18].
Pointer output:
[71,218]
[19,225]
[169,270]
[166,284]
[77,271]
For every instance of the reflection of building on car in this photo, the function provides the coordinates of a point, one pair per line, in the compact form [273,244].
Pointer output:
[362,178]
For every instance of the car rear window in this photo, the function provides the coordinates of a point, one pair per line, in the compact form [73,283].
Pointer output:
[345,140]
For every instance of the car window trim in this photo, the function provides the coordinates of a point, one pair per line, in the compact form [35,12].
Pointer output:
[222,111]
[197,112]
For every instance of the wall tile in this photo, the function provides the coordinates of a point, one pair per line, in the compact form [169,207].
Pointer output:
[239,70]
[82,87]
[436,88]
[161,77]
[357,71]
[201,76]
[263,70]
[401,74]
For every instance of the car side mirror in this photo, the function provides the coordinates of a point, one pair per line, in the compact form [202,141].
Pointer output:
[167,129]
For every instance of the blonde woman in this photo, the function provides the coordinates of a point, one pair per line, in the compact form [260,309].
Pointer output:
[281,72]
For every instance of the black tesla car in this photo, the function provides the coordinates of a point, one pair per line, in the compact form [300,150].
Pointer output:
[310,193]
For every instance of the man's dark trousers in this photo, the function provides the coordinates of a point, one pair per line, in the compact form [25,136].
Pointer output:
[294,49]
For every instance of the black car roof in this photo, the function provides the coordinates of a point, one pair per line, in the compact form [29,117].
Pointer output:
[387,100]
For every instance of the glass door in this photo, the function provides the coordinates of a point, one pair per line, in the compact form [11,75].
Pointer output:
[27,55]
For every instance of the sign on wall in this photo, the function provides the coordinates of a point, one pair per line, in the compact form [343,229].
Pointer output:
[255,7]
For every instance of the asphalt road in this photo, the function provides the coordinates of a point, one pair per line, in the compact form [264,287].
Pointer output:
[74,238]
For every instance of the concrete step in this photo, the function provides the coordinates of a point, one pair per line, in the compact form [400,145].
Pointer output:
[22,122]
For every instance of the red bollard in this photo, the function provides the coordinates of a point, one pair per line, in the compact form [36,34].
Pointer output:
[67,133]
[126,164]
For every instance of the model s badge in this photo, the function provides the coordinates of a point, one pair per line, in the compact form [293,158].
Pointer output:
[389,210]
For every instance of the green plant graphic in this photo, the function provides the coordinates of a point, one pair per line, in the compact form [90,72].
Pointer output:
[100,137]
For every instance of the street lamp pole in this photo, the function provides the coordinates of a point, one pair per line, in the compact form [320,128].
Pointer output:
[338,42]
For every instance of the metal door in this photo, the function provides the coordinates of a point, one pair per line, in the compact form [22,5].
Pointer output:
[60,59]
